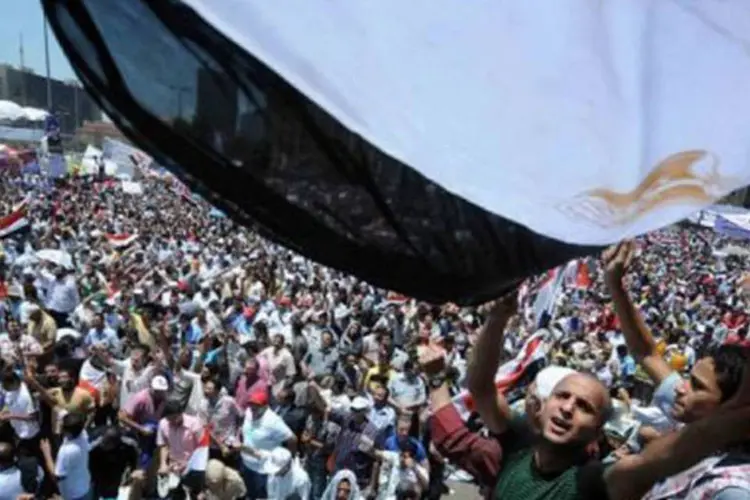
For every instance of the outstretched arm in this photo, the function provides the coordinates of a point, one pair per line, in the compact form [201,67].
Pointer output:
[485,360]
[638,336]
[632,476]
[479,456]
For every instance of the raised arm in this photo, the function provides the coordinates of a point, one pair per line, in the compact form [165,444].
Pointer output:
[41,391]
[638,336]
[485,360]
[479,456]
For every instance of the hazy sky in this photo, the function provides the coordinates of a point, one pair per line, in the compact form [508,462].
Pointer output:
[24,17]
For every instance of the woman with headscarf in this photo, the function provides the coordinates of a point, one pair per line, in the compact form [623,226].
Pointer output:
[342,486]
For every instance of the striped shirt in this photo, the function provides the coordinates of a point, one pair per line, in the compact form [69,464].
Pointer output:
[347,452]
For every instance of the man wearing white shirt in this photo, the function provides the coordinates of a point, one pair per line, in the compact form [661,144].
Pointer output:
[72,464]
[408,390]
[135,373]
[20,409]
[62,297]
[262,431]
[205,296]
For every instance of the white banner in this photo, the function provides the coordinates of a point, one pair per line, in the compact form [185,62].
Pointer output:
[57,167]
[123,154]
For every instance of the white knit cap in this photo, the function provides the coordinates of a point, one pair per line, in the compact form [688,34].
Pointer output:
[548,378]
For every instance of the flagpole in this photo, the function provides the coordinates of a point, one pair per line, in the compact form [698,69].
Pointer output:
[46,61]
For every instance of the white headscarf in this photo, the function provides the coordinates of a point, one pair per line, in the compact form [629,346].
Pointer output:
[294,480]
[330,491]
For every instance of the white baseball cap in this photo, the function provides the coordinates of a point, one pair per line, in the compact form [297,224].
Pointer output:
[159,383]
[360,403]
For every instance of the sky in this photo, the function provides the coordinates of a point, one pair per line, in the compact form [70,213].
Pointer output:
[24,17]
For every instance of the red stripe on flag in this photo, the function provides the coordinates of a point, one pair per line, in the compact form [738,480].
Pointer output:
[119,240]
[508,381]
[12,218]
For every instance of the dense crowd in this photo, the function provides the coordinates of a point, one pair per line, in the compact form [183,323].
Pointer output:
[152,348]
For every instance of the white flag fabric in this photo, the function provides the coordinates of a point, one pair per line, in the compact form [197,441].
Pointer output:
[442,148]
[125,156]
[600,120]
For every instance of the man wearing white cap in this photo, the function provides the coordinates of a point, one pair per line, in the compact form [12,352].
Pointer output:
[287,479]
[356,429]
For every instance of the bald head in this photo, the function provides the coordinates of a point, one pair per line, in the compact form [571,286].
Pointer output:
[575,411]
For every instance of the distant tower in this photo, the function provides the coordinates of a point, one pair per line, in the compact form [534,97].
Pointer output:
[23,70]
[20,51]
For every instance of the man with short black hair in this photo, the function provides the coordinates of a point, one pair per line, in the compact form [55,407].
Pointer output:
[72,464]
[177,438]
[558,462]
[19,478]
[110,456]
[713,380]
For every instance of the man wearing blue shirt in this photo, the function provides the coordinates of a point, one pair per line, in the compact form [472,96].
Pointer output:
[102,335]
[402,441]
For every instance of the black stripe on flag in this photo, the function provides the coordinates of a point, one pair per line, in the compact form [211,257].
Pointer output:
[255,147]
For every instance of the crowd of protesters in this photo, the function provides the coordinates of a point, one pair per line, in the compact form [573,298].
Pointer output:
[139,330]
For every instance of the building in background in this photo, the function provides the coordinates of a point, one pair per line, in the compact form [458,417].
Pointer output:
[94,132]
[70,102]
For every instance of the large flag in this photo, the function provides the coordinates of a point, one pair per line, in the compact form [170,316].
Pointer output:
[442,148]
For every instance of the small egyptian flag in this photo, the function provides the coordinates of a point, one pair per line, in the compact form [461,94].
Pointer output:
[16,220]
[120,240]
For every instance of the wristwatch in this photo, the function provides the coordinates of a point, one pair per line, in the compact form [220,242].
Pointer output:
[437,380]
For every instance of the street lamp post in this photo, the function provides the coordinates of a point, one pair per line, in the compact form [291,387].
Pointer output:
[75,106]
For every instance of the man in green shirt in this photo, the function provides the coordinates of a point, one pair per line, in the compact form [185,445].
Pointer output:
[558,461]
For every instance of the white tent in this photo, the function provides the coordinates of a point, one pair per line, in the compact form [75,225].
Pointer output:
[90,162]
[9,110]
[35,114]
